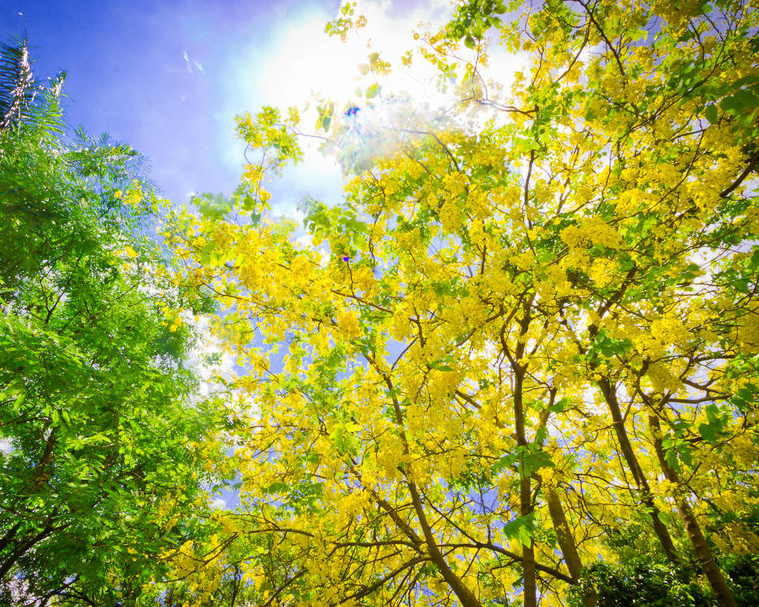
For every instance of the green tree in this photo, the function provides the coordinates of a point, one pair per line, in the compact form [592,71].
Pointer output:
[23,100]
[103,440]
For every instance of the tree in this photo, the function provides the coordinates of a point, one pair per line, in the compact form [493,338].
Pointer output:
[522,342]
[102,436]
[23,100]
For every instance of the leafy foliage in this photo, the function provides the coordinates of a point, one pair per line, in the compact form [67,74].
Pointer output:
[101,466]
[518,335]
[519,361]
[23,100]
[640,583]
[744,574]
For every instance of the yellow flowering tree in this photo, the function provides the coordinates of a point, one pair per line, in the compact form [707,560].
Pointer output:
[522,343]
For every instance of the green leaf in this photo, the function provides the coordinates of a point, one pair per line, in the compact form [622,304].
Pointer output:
[717,420]
[534,459]
[521,528]
[441,365]
[508,460]
[277,487]
[712,114]
[212,206]
[709,432]
[373,90]
[741,103]
[742,284]
[754,260]
[343,439]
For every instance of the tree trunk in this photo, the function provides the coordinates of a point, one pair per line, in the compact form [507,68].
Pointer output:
[632,462]
[528,550]
[463,593]
[692,528]
[525,490]
[6,539]
[566,540]
[564,534]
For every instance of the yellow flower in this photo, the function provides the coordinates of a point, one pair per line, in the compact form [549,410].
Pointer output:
[348,325]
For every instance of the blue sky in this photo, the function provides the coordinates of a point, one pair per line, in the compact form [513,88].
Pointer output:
[168,76]
[160,75]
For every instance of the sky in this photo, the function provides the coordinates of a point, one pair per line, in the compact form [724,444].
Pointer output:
[168,77]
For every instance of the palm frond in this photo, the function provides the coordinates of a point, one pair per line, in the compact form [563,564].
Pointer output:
[23,99]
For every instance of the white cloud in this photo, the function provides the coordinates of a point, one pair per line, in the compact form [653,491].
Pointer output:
[189,65]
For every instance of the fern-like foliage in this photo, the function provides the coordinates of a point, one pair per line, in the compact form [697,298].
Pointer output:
[23,99]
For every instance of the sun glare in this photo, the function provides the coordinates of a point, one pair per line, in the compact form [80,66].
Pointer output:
[303,66]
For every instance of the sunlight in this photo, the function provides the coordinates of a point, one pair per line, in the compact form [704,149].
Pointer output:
[304,61]
[302,65]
